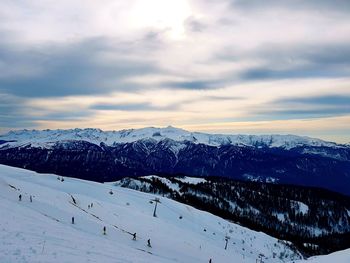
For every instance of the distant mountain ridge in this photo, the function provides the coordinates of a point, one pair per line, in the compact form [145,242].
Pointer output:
[96,155]
[46,138]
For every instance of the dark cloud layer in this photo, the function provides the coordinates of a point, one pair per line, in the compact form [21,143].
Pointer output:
[132,107]
[324,54]
[307,107]
[72,69]
[331,100]
[195,25]
[292,61]
[266,73]
[194,84]
[16,113]
[310,5]
[11,115]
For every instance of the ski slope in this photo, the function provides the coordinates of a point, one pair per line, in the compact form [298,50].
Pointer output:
[337,257]
[41,231]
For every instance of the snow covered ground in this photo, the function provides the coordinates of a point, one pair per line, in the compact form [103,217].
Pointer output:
[41,231]
[337,257]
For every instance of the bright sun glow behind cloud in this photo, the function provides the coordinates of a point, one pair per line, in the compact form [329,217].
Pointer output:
[166,15]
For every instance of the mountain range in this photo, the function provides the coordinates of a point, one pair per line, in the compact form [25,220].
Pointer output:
[102,156]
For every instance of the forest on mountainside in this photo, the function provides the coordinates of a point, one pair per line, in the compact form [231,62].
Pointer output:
[317,221]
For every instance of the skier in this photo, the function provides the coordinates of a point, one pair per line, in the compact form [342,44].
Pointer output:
[91,204]
[73,200]
[20,197]
[149,242]
[72,219]
[209,260]
[62,180]
[134,236]
[88,206]
[104,230]
[31,199]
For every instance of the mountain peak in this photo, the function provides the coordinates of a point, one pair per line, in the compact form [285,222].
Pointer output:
[96,136]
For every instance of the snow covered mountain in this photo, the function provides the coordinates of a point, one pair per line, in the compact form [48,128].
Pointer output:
[47,138]
[108,156]
[42,231]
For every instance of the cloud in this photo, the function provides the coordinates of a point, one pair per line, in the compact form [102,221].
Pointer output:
[310,5]
[281,61]
[65,116]
[331,100]
[11,114]
[307,114]
[92,66]
[223,98]
[132,107]
[17,112]
[266,73]
[195,25]
[193,85]
[325,53]
[306,107]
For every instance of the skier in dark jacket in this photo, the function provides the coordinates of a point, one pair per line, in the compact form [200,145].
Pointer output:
[30,199]
[20,197]
[149,242]
[134,236]
[72,219]
[104,230]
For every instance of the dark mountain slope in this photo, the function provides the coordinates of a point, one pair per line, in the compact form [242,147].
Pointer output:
[102,163]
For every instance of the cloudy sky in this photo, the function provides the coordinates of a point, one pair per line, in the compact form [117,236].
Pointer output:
[228,66]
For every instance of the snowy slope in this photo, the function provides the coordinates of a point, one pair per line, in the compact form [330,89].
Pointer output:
[337,257]
[47,138]
[41,231]
[233,193]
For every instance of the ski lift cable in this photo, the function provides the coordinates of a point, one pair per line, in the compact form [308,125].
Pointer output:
[190,218]
[107,223]
[193,218]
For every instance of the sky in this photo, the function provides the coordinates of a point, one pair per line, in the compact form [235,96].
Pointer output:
[225,66]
